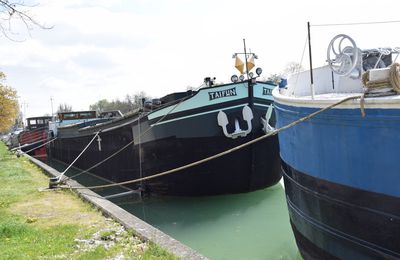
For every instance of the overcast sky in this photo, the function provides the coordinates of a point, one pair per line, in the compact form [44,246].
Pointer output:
[110,48]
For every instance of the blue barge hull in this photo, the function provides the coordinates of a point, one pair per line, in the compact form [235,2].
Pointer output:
[341,179]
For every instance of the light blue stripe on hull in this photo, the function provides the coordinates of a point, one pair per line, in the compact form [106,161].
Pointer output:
[342,147]
[199,114]
[208,112]
[202,98]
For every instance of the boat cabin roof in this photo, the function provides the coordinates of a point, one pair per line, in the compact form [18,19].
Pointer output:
[37,122]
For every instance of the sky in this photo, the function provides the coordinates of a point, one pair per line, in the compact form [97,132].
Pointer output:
[107,49]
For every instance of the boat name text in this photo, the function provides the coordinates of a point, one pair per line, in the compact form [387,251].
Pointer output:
[223,93]
[267,91]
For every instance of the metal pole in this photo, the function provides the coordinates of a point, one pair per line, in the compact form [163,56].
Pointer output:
[51,100]
[310,56]
[245,57]
[249,84]
[140,146]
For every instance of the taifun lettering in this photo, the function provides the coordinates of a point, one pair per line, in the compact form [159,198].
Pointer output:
[223,93]
[267,91]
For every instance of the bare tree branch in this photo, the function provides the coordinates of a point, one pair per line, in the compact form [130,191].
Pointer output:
[17,10]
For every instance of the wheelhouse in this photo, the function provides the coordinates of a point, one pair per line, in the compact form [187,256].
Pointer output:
[37,122]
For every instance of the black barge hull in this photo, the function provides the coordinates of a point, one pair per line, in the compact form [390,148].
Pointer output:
[366,224]
[164,140]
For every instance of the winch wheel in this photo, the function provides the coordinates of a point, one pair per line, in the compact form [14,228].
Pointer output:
[345,59]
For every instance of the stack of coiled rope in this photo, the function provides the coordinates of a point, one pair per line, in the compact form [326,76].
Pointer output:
[393,80]
[394,76]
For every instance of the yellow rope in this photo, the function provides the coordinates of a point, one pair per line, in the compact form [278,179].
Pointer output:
[394,77]
[393,81]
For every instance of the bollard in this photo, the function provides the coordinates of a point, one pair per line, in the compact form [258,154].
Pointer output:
[53,182]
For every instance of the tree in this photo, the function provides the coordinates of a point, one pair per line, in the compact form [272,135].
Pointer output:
[14,11]
[19,121]
[64,108]
[275,78]
[292,67]
[105,105]
[8,105]
[130,102]
[100,105]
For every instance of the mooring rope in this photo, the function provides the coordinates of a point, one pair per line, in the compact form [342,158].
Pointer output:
[371,87]
[394,76]
[87,146]
[37,147]
[128,144]
[393,80]
[276,131]
[35,140]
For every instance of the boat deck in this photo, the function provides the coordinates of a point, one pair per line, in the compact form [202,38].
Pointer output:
[326,99]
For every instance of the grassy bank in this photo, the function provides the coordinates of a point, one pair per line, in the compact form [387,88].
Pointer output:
[57,224]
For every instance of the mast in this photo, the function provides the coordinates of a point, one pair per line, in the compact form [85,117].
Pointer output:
[249,83]
[251,80]
[310,57]
[245,58]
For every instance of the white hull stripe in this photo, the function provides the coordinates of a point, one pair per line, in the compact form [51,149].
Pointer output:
[321,101]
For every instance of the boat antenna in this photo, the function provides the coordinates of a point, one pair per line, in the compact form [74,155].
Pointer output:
[249,80]
[310,56]
[245,58]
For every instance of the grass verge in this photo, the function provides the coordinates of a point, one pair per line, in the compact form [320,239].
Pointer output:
[57,224]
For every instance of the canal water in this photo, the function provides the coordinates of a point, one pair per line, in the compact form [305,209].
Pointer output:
[252,225]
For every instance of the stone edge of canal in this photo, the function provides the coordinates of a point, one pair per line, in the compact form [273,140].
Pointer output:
[142,229]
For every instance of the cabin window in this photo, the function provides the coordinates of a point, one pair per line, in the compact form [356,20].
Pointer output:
[77,115]
[69,116]
[86,115]
[32,122]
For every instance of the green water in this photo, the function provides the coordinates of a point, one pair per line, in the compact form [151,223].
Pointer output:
[252,225]
[244,226]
